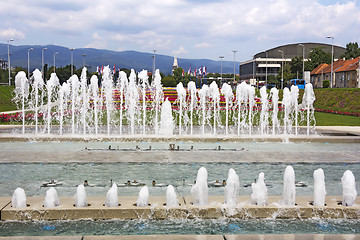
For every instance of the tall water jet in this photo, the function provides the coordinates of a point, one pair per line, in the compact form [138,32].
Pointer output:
[199,191]
[242,97]
[121,86]
[307,102]
[94,94]
[132,98]
[158,98]
[349,188]
[80,197]
[251,99]
[193,102]
[112,199]
[75,85]
[143,199]
[287,103]
[203,95]
[181,97]
[319,188]
[294,98]
[228,94]
[107,92]
[84,99]
[288,197]
[18,199]
[37,98]
[166,120]
[143,77]
[51,88]
[171,197]
[259,191]
[21,93]
[215,96]
[64,93]
[264,115]
[274,94]
[51,198]
[232,188]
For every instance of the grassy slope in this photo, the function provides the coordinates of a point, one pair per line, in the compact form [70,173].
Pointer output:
[5,98]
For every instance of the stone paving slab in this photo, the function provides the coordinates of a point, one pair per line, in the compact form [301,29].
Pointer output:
[157,209]
[156,237]
[294,237]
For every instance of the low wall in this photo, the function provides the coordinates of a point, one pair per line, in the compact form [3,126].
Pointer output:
[157,209]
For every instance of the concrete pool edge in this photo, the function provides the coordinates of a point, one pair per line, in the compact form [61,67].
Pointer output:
[214,210]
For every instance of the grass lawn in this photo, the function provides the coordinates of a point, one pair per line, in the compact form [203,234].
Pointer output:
[328,119]
[5,98]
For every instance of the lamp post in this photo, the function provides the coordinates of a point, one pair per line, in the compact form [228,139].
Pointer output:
[72,60]
[83,55]
[10,40]
[56,53]
[234,51]
[42,62]
[153,73]
[282,68]
[303,73]
[332,60]
[30,49]
[221,57]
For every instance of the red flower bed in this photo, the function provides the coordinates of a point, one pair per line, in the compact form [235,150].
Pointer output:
[355,114]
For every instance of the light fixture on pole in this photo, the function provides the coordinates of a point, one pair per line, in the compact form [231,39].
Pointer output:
[56,53]
[332,60]
[10,40]
[42,62]
[83,55]
[266,56]
[234,51]
[30,49]
[303,73]
[221,57]
[153,73]
[282,68]
[72,61]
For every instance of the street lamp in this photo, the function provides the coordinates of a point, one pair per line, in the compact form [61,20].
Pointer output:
[83,55]
[332,60]
[153,74]
[234,51]
[303,73]
[282,68]
[72,60]
[55,53]
[42,62]
[30,49]
[10,40]
[221,57]
[266,56]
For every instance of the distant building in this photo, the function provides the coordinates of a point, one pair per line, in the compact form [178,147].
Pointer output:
[3,64]
[175,64]
[346,74]
[269,62]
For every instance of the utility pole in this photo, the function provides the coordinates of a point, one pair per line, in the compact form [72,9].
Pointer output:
[10,40]
[234,51]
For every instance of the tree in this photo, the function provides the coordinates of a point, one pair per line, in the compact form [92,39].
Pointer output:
[296,66]
[168,81]
[317,56]
[352,51]
[177,73]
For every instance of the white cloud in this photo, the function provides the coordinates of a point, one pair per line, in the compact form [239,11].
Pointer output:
[202,45]
[179,51]
[11,33]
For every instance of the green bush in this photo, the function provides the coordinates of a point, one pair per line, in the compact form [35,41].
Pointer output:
[326,84]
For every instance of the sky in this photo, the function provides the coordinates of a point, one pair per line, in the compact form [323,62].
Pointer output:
[198,29]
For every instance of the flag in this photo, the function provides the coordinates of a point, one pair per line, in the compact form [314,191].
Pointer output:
[195,72]
[183,73]
[98,69]
[114,70]
[189,72]
[204,70]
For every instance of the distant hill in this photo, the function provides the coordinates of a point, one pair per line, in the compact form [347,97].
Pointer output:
[100,57]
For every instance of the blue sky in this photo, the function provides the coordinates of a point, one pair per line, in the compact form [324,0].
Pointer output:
[185,28]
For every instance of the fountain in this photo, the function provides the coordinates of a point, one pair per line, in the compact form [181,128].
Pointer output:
[259,191]
[264,116]
[199,190]
[215,96]
[203,95]
[80,197]
[112,199]
[228,94]
[319,188]
[51,198]
[158,98]
[143,199]
[171,197]
[288,197]
[232,188]
[181,93]
[193,101]
[166,120]
[143,77]
[21,93]
[274,93]
[36,98]
[18,199]
[308,100]
[349,188]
